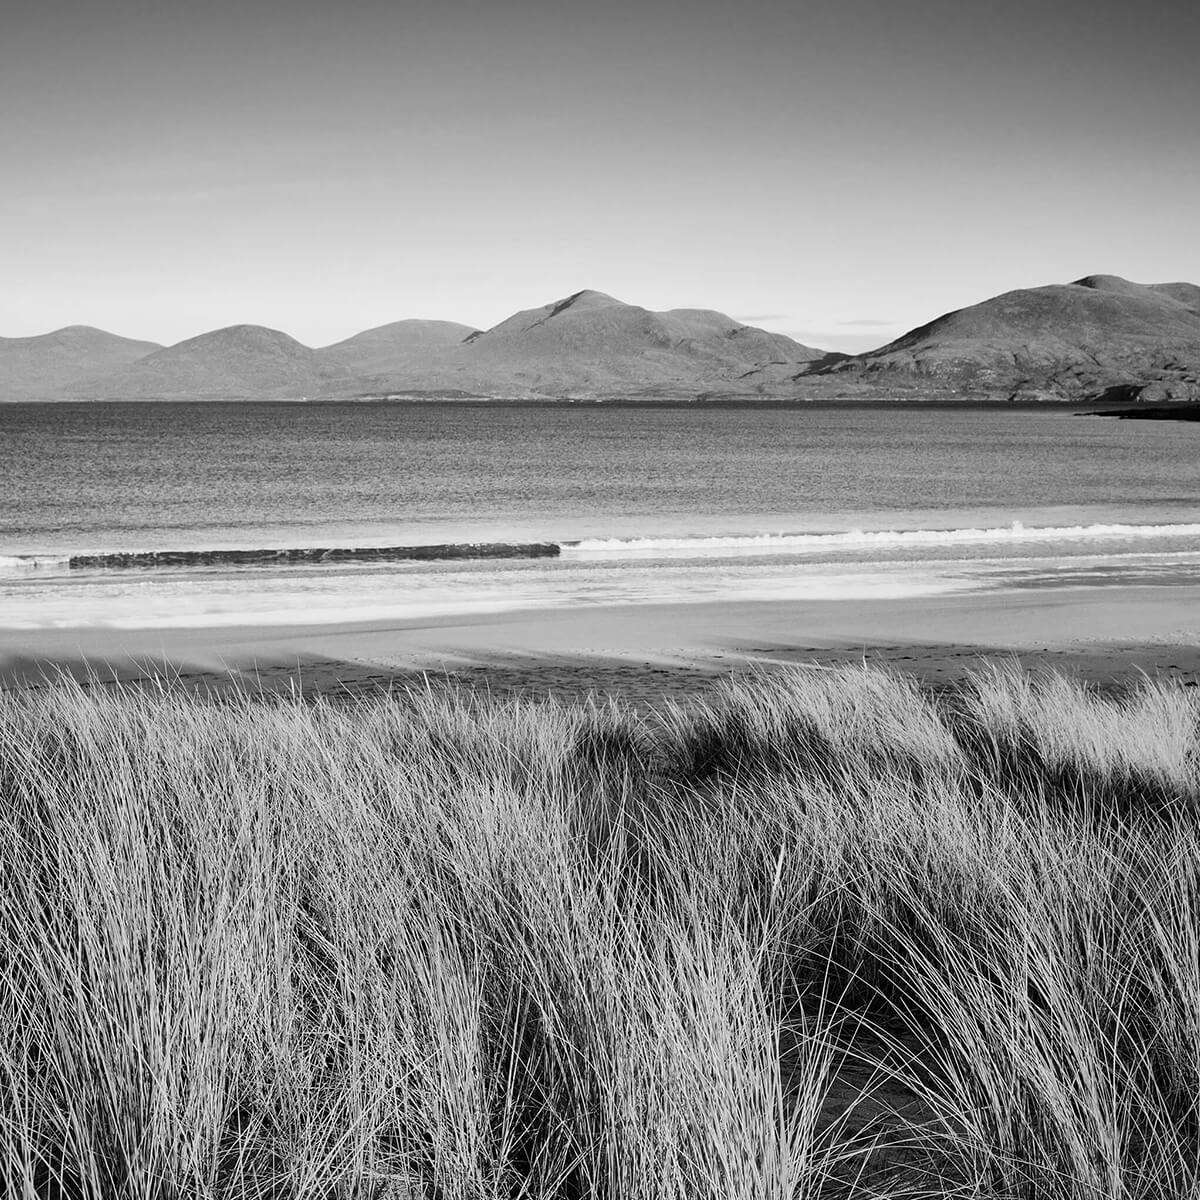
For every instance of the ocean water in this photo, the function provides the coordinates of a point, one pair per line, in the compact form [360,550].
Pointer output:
[146,515]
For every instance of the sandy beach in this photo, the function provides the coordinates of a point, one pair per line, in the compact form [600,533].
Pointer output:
[646,653]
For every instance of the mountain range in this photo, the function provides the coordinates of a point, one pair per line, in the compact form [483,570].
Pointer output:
[1100,337]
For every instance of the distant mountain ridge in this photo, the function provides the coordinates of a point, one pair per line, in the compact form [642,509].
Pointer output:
[590,345]
[387,349]
[587,346]
[238,362]
[38,368]
[1099,337]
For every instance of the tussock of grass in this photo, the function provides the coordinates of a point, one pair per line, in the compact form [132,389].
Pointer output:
[822,935]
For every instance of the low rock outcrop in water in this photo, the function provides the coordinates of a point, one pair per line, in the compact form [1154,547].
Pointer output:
[1154,412]
[292,556]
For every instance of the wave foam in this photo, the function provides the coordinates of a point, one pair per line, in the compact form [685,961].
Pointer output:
[34,562]
[594,549]
[782,543]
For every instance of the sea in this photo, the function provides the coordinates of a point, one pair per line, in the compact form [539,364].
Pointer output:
[147,515]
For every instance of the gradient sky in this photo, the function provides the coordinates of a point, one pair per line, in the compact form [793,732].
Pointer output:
[838,170]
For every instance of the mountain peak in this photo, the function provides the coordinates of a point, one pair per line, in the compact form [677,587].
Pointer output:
[74,334]
[1109,283]
[233,362]
[41,367]
[1186,294]
[580,301]
[246,335]
[79,331]
[590,344]
[587,298]
[391,348]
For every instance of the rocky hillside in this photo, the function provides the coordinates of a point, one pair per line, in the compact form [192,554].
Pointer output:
[1099,336]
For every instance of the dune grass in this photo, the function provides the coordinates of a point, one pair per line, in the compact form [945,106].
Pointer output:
[819,935]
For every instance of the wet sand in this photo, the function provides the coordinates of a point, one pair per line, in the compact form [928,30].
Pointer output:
[643,654]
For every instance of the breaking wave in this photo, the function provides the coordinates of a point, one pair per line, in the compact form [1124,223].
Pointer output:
[598,549]
[34,562]
[791,543]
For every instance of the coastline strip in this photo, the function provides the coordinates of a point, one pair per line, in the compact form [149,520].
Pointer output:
[600,548]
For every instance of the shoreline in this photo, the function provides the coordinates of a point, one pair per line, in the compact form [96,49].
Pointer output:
[1104,635]
[1088,407]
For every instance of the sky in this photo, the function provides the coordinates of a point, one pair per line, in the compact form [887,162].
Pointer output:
[839,170]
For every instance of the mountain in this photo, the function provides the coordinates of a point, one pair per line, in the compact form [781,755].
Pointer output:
[238,362]
[586,346]
[1099,336]
[39,368]
[389,348]
[590,345]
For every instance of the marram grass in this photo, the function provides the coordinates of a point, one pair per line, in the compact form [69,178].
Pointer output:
[820,935]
